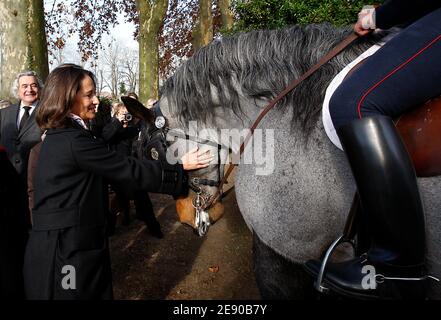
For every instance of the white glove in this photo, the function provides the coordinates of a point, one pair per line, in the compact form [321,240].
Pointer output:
[367,17]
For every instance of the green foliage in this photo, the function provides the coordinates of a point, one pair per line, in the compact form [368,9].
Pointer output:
[105,101]
[122,88]
[270,14]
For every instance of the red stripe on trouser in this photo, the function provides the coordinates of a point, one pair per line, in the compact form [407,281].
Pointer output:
[394,71]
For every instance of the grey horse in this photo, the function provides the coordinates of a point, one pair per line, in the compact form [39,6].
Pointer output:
[299,205]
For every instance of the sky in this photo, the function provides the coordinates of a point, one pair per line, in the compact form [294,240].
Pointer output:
[123,33]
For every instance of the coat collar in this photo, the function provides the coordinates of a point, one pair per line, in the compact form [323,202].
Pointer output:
[73,127]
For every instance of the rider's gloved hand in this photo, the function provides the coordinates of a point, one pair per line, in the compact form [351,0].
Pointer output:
[366,21]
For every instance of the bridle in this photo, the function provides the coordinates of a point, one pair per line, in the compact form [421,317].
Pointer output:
[204,200]
[161,124]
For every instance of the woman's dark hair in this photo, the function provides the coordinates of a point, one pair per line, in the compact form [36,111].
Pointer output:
[58,95]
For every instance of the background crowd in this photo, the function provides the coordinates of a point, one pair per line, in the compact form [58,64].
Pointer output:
[62,152]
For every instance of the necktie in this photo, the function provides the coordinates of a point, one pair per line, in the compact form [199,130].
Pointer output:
[24,118]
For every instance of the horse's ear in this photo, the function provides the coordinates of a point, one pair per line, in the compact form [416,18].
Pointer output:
[137,109]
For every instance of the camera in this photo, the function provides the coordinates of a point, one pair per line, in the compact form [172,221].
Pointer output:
[128,117]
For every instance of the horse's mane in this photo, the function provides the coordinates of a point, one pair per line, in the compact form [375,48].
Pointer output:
[262,63]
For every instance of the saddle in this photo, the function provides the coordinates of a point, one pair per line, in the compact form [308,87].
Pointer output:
[420,129]
[421,132]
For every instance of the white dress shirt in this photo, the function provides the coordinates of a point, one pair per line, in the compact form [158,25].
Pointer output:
[22,111]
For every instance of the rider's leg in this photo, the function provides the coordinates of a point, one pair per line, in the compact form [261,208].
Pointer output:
[404,73]
[388,190]
[389,195]
[401,75]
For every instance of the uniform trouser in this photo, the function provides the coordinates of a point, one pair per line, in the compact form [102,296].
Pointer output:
[404,73]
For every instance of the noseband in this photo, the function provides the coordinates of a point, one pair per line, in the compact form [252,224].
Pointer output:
[195,183]
[204,199]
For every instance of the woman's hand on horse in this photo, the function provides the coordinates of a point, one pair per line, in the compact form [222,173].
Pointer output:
[196,159]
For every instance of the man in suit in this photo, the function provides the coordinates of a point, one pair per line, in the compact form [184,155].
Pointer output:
[18,130]
[18,134]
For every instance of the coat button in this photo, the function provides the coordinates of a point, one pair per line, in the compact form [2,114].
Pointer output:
[17,160]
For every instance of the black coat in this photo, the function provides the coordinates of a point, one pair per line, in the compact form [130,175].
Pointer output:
[69,217]
[403,12]
[18,146]
[13,233]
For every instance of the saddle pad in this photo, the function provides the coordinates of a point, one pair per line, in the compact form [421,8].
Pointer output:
[333,85]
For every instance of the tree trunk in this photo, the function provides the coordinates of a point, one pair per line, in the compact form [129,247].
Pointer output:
[226,14]
[37,38]
[22,41]
[203,31]
[151,18]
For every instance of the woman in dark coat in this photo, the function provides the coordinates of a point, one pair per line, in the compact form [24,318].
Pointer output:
[67,255]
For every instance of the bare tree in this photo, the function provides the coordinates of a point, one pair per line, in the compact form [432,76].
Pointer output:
[100,80]
[58,56]
[111,59]
[116,68]
[130,70]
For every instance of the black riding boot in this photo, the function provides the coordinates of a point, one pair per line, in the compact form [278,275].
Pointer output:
[391,203]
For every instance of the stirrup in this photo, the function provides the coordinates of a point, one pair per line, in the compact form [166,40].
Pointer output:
[348,236]
[318,284]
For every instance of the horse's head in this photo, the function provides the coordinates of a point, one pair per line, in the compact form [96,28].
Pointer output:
[160,142]
[202,205]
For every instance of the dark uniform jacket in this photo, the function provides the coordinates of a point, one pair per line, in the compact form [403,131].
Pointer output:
[68,239]
[403,12]
[119,138]
[18,144]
